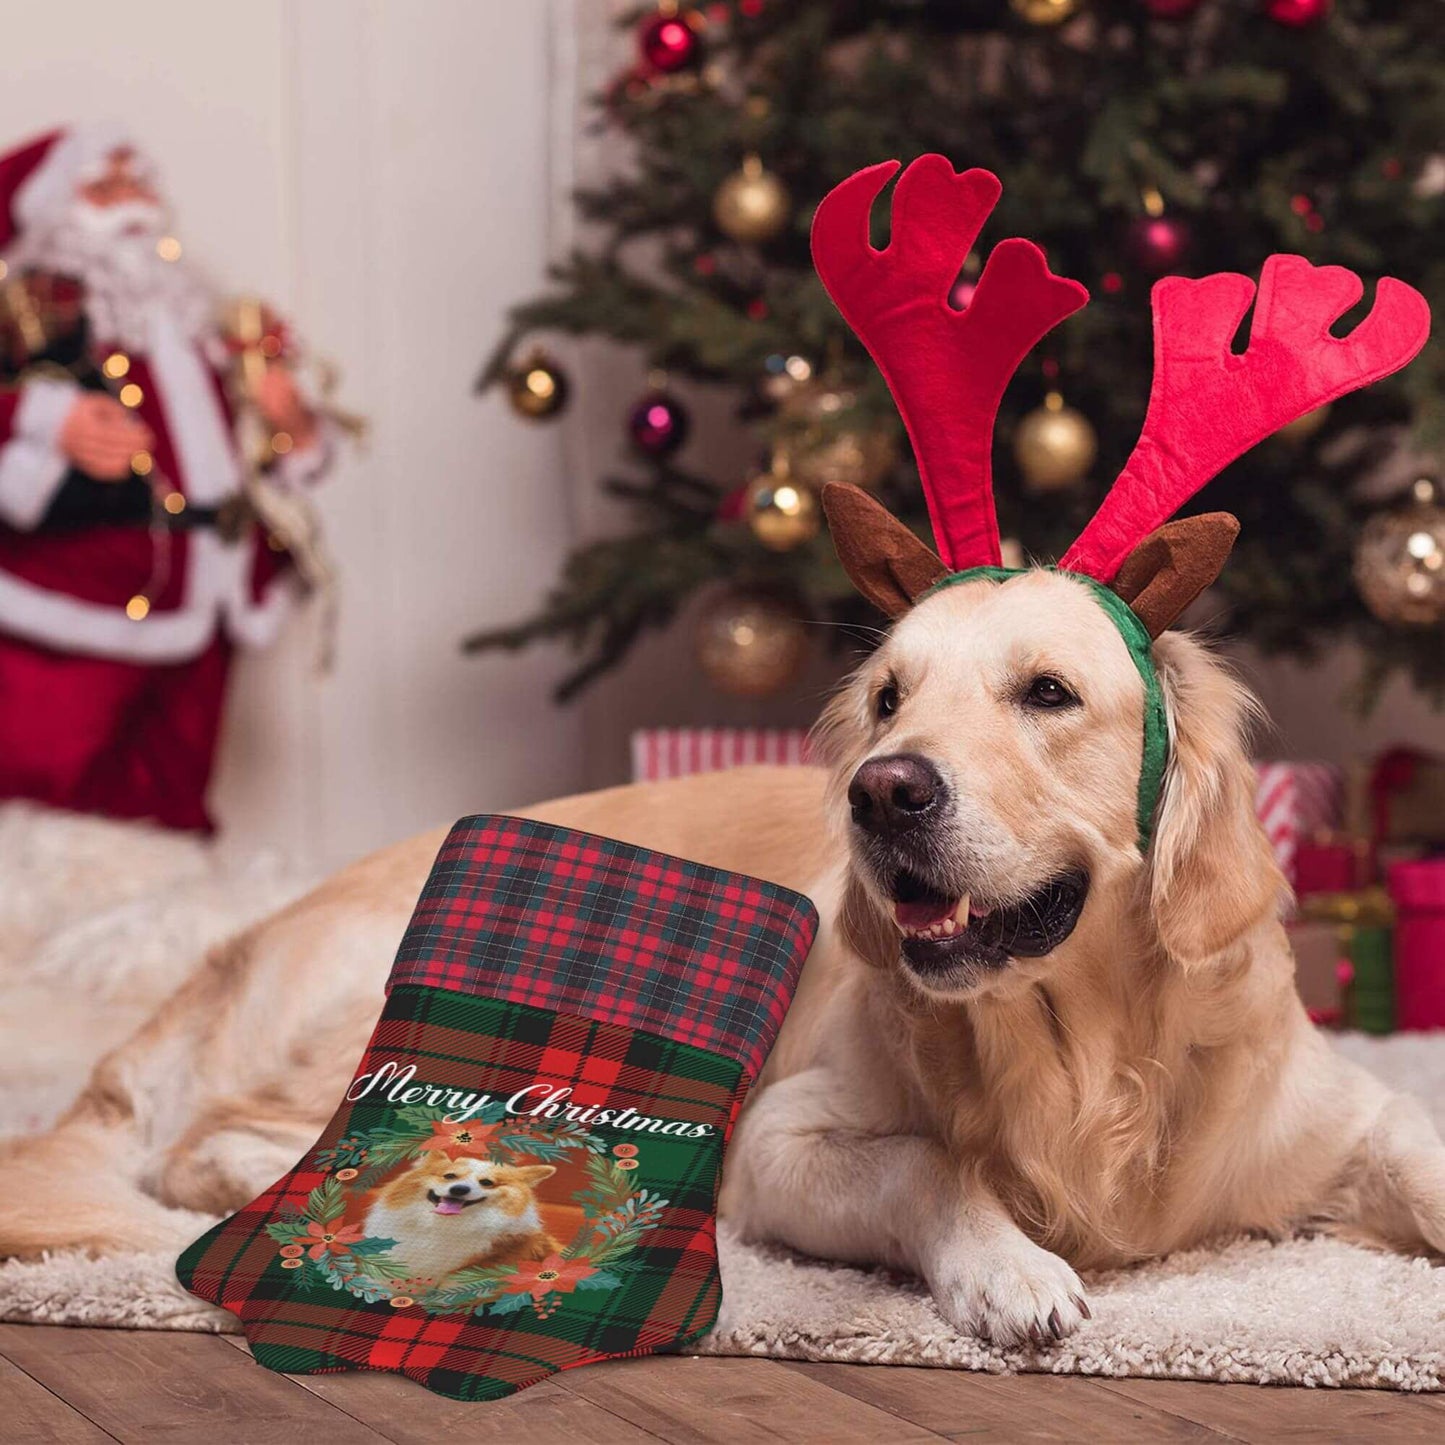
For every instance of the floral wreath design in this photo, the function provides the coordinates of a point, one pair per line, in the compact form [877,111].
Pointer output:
[316,1245]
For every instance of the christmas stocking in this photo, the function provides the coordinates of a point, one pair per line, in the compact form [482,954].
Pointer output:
[523,1174]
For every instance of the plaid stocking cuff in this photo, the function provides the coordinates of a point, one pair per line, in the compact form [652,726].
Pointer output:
[523,1175]
[546,916]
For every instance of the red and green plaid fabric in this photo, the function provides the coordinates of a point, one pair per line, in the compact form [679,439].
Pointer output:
[558,919]
[521,1038]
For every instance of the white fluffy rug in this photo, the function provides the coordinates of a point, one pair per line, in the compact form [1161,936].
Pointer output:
[1307,1312]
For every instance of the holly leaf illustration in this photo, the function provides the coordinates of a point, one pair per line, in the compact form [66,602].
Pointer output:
[364,1247]
[508,1304]
[603,1279]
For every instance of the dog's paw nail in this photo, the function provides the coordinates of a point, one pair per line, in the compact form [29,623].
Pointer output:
[1082,1305]
[1056,1325]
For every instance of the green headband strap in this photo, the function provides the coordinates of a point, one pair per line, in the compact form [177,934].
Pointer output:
[1140,644]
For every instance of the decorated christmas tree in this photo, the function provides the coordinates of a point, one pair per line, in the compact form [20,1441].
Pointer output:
[1135,139]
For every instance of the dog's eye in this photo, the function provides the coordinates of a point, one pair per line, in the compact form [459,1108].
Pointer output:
[886,703]
[487,1183]
[449,1176]
[1048,692]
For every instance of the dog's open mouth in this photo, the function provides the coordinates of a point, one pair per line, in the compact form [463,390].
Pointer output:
[451,1206]
[940,932]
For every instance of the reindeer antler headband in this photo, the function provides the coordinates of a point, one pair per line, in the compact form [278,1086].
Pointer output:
[947,370]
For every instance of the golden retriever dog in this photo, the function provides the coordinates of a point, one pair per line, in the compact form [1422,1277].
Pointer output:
[1103,1060]
[446,1214]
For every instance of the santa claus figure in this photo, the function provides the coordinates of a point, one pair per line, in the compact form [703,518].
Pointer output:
[131,561]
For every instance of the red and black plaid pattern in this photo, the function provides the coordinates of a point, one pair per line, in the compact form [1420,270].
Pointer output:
[553,918]
[669,1293]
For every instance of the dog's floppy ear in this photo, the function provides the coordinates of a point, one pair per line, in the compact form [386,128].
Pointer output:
[1212,872]
[1173,565]
[885,561]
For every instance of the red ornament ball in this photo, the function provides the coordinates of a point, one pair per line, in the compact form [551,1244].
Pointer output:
[961,293]
[1158,244]
[658,424]
[1296,14]
[1171,9]
[668,43]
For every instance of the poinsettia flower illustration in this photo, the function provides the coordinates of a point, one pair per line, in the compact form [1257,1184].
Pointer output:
[539,1277]
[453,1138]
[329,1239]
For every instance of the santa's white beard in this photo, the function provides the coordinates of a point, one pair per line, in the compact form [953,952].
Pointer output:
[111,251]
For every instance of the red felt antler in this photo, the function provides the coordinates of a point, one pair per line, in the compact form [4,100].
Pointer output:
[1208,406]
[947,369]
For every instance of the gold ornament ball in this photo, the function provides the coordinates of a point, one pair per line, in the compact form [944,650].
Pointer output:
[1055,446]
[1044,12]
[537,388]
[752,204]
[859,458]
[750,643]
[823,448]
[782,512]
[1400,560]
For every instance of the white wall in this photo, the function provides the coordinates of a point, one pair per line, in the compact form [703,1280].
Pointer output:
[388,174]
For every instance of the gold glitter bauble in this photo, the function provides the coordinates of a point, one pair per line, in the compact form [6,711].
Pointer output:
[537,388]
[1044,12]
[781,510]
[821,446]
[1055,446]
[750,643]
[752,204]
[860,458]
[1400,560]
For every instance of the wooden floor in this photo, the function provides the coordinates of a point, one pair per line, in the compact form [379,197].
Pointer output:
[74,1385]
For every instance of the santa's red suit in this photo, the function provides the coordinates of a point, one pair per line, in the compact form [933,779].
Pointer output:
[101,710]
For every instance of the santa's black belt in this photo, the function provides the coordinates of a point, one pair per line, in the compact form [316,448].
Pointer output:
[126,506]
[229,520]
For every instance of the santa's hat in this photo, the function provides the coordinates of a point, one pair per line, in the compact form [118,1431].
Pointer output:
[38,179]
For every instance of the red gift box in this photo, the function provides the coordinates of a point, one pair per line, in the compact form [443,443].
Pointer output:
[1417,890]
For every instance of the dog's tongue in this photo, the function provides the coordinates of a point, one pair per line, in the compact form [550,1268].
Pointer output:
[924,911]
[449,1206]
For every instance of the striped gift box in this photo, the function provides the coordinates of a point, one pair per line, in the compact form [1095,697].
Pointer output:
[1294,800]
[659,753]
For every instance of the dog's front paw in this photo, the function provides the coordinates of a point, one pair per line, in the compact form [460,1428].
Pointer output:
[1009,1292]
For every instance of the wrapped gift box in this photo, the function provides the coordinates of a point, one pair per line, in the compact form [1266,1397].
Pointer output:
[1418,892]
[1322,968]
[1407,797]
[1297,804]
[659,753]
[1363,920]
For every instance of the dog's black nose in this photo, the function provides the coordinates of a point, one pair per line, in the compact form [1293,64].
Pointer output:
[459,1191]
[894,794]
